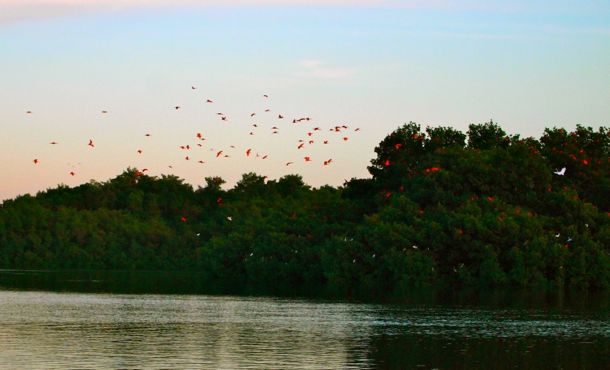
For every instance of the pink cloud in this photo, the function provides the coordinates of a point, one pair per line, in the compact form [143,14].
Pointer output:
[23,10]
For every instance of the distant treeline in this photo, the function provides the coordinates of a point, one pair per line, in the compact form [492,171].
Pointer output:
[442,207]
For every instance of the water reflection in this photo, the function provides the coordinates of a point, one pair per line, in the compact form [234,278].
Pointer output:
[57,330]
[50,330]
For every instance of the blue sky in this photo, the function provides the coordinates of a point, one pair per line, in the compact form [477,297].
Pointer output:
[370,65]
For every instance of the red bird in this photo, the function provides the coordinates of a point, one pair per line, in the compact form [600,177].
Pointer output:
[345,138]
[433,169]
[248,152]
[397,146]
[183,219]
[91,143]
[308,159]
[219,154]
[199,135]
[387,163]
[219,201]
[35,161]
[187,158]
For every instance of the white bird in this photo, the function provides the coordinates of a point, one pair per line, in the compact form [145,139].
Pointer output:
[557,235]
[415,247]
[229,218]
[561,172]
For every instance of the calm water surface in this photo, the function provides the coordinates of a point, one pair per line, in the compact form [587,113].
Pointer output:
[59,330]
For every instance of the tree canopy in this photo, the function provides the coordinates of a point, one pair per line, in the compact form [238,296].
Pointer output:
[441,207]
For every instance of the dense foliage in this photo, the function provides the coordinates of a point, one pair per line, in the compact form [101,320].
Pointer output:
[475,209]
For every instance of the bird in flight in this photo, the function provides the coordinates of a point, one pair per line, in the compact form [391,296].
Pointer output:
[35,161]
[29,112]
[265,96]
[209,101]
[279,116]
[177,107]
[104,111]
[248,152]
[561,172]
[72,173]
[91,143]
[288,163]
[53,143]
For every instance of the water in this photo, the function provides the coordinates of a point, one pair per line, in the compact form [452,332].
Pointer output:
[85,330]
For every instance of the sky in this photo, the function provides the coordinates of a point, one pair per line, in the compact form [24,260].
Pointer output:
[369,65]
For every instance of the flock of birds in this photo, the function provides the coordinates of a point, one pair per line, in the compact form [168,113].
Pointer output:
[311,137]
